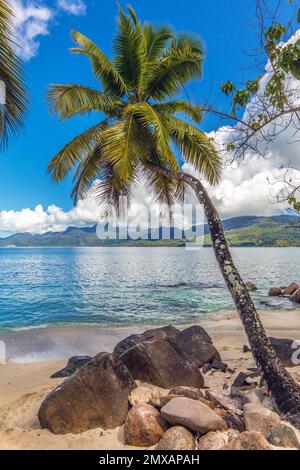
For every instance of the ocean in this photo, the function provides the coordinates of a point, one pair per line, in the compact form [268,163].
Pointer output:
[42,287]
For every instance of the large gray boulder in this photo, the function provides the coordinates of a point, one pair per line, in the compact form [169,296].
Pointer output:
[193,415]
[95,396]
[160,363]
[196,342]
[74,363]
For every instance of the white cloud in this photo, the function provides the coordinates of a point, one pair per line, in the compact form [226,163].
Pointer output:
[88,212]
[74,7]
[33,19]
[40,220]
[245,190]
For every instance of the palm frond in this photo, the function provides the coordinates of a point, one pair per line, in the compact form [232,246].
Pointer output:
[197,149]
[152,121]
[122,146]
[103,68]
[70,100]
[88,170]
[72,153]
[156,41]
[14,103]
[129,51]
[162,190]
[180,64]
[180,106]
[109,188]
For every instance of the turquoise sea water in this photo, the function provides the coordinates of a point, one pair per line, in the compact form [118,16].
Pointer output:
[126,286]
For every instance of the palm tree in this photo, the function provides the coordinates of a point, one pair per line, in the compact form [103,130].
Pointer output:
[137,137]
[12,111]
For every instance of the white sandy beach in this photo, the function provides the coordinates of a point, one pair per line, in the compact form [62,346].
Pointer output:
[24,385]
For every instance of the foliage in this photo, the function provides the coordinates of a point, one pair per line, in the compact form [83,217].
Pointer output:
[264,108]
[284,59]
[294,203]
[11,74]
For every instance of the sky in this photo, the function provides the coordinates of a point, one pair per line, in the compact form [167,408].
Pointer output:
[29,200]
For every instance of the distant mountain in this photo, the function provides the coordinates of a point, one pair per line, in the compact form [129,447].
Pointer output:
[282,230]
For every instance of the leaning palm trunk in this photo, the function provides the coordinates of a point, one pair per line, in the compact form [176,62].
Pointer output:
[282,386]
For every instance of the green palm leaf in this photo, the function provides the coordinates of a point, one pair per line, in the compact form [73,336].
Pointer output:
[109,188]
[180,106]
[181,63]
[152,121]
[13,110]
[122,146]
[88,170]
[103,68]
[164,191]
[70,100]
[197,149]
[72,153]
[156,41]
[129,51]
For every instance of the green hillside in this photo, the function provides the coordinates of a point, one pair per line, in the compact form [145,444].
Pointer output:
[276,231]
[265,231]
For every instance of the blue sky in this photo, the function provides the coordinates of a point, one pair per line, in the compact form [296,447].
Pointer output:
[226,27]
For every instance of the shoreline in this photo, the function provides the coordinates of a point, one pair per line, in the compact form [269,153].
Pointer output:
[58,342]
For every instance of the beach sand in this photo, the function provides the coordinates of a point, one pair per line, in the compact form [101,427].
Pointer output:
[34,355]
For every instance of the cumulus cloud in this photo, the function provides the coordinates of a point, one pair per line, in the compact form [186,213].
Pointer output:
[87,212]
[75,7]
[53,218]
[33,19]
[249,189]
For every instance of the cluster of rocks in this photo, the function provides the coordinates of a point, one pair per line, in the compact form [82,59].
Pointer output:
[292,292]
[172,409]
